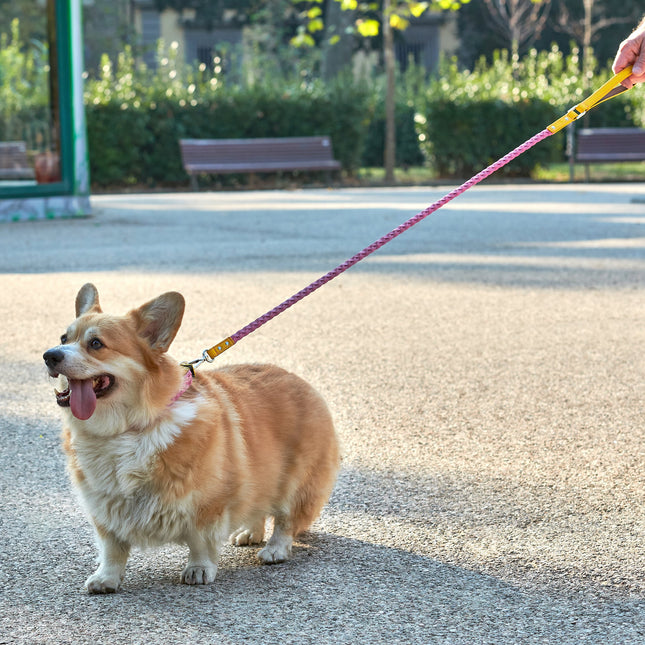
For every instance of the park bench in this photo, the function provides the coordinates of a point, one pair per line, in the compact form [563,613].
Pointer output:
[595,145]
[13,161]
[215,156]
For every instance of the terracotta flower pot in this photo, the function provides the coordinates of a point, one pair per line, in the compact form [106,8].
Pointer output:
[47,167]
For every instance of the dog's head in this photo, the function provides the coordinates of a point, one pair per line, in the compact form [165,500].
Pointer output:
[111,365]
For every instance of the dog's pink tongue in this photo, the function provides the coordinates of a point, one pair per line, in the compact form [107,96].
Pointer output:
[82,400]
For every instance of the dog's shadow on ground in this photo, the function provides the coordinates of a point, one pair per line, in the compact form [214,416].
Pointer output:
[359,576]
[349,590]
[320,562]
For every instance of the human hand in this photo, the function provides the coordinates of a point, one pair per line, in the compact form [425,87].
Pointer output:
[632,52]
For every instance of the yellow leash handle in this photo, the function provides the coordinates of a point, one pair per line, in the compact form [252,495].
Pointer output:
[610,89]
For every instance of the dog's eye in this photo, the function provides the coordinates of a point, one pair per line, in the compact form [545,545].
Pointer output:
[63,339]
[95,343]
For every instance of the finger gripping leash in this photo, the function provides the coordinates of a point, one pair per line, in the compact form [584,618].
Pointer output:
[607,91]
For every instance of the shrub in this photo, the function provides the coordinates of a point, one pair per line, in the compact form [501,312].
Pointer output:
[469,119]
[408,151]
[117,139]
[188,102]
[465,137]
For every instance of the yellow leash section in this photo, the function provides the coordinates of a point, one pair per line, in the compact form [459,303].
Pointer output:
[610,89]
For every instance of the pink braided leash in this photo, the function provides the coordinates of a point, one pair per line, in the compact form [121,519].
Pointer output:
[341,268]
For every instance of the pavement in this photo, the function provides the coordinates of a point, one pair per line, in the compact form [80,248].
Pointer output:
[486,374]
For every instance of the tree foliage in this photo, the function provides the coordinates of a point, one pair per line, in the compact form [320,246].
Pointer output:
[370,16]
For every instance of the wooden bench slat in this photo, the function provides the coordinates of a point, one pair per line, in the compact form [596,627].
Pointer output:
[258,166]
[609,156]
[225,155]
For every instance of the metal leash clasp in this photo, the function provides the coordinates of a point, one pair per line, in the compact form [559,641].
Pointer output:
[190,366]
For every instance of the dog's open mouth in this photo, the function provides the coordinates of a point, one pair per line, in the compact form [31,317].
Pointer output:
[80,396]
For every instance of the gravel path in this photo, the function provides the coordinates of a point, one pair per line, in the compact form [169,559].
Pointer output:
[486,372]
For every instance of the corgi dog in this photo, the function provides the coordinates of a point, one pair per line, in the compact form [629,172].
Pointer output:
[158,456]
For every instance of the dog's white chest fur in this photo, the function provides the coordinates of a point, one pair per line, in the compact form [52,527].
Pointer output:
[117,489]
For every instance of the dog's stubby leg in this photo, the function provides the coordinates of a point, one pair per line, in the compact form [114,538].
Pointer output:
[200,569]
[278,548]
[113,555]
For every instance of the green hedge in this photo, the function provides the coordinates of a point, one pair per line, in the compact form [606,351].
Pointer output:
[408,151]
[119,143]
[140,145]
[464,137]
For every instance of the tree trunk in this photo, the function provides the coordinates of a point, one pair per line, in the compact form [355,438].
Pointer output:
[389,156]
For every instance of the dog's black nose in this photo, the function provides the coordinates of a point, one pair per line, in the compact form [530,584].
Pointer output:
[52,357]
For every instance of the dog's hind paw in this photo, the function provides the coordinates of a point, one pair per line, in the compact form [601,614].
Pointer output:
[245,537]
[198,574]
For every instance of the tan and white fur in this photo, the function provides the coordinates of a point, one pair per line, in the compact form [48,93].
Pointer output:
[155,461]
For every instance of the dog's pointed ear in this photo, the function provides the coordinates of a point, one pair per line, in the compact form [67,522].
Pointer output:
[158,320]
[87,299]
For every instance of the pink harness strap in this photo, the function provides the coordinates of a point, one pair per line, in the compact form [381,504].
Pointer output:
[185,384]
[341,268]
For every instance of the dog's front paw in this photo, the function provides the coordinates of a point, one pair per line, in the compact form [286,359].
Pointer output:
[99,582]
[198,574]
